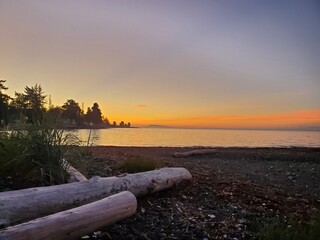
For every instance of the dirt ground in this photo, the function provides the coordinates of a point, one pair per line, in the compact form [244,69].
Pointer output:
[233,192]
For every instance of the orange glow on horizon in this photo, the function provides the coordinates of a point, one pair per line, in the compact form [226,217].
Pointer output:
[301,118]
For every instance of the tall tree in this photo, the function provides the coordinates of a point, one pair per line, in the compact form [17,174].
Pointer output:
[88,115]
[34,100]
[34,97]
[19,101]
[4,103]
[106,121]
[71,111]
[17,108]
[94,114]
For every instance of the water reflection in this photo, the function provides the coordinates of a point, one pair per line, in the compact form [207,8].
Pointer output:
[200,137]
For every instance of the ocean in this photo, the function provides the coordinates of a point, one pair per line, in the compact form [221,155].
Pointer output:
[171,137]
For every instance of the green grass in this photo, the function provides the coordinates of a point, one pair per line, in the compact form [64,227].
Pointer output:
[35,152]
[138,164]
[291,230]
[79,156]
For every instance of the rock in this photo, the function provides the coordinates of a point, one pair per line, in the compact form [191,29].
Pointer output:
[164,235]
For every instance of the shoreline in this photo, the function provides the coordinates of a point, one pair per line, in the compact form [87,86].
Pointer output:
[213,147]
[201,146]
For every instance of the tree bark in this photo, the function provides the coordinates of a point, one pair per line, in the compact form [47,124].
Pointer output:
[76,222]
[195,152]
[22,205]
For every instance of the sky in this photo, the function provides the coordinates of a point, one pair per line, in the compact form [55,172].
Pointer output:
[225,64]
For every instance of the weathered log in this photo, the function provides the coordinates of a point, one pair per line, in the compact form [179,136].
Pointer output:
[76,222]
[75,175]
[22,205]
[195,152]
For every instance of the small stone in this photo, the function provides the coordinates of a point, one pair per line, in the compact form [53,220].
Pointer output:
[242,221]
[85,237]
[211,216]
[239,225]
[164,235]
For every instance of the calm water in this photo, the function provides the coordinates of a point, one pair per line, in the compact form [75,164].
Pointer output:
[200,137]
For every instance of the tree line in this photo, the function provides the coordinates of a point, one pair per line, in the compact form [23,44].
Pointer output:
[32,104]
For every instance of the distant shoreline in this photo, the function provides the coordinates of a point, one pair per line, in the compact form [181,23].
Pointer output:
[311,129]
[93,127]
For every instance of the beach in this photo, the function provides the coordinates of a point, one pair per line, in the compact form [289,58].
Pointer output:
[232,193]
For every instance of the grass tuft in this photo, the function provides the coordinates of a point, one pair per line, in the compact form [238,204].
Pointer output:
[36,152]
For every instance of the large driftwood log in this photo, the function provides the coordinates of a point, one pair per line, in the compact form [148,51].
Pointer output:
[195,152]
[76,222]
[22,205]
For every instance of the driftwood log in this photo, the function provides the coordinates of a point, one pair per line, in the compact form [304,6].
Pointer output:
[195,152]
[76,222]
[75,175]
[23,205]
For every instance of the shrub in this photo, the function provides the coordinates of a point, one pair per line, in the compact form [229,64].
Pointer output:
[138,164]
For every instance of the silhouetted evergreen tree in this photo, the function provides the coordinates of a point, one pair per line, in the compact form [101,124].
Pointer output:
[4,103]
[94,114]
[106,121]
[71,111]
[34,97]
[34,100]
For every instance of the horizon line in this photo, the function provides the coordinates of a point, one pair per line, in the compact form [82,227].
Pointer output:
[302,128]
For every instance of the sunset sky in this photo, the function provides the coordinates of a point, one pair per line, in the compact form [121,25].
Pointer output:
[228,64]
